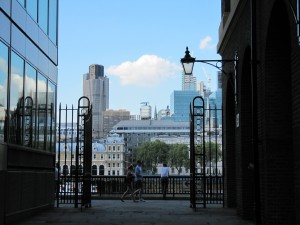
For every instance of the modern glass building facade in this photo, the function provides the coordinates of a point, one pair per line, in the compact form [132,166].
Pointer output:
[28,85]
[180,105]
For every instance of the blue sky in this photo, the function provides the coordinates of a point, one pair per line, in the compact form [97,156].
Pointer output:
[139,43]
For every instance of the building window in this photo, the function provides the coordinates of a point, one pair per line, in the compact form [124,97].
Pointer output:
[108,173]
[113,172]
[95,156]
[102,156]
[94,170]
[109,148]
[41,111]
[52,20]
[16,99]
[114,165]
[3,90]
[118,172]
[31,7]
[118,156]
[118,164]
[30,106]
[101,170]
[51,114]
[108,156]
[108,164]
[114,156]
[114,148]
[43,15]
[118,148]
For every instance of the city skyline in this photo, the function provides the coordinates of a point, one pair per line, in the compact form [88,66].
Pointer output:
[139,45]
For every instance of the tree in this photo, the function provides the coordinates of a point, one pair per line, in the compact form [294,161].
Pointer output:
[213,152]
[179,156]
[152,153]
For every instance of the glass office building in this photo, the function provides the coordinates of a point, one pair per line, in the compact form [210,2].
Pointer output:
[28,84]
[180,105]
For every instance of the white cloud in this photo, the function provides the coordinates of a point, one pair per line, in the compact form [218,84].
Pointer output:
[205,43]
[147,71]
[3,65]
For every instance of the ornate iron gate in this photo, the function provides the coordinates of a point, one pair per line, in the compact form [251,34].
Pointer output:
[205,154]
[74,154]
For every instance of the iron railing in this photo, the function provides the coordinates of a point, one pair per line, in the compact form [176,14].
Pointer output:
[112,187]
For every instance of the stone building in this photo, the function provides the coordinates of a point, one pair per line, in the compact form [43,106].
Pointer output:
[108,157]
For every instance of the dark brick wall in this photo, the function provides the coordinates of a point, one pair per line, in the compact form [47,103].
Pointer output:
[278,91]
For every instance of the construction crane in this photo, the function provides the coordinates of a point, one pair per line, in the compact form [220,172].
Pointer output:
[207,75]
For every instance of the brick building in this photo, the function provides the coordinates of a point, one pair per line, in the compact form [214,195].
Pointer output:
[261,104]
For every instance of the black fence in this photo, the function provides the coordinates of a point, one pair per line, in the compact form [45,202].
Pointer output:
[112,187]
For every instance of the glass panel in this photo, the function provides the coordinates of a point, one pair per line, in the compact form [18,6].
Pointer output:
[30,106]
[22,2]
[3,90]
[51,118]
[41,111]
[16,99]
[31,7]
[43,15]
[53,20]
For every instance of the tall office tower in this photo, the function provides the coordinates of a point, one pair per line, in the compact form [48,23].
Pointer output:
[188,82]
[201,88]
[96,88]
[180,105]
[112,117]
[28,81]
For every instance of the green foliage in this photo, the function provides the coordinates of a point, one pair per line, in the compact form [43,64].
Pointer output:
[213,152]
[179,157]
[152,153]
[175,155]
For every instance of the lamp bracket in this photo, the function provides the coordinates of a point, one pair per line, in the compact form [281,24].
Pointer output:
[219,63]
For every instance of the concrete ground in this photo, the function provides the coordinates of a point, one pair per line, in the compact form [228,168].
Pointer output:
[150,212]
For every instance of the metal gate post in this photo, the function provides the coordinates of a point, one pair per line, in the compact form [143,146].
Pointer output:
[197,153]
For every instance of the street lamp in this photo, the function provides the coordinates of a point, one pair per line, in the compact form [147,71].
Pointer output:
[198,111]
[188,66]
[188,63]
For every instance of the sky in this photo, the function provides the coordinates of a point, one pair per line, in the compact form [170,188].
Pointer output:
[139,43]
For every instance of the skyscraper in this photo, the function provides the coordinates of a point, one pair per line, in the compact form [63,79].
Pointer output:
[180,105]
[188,82]
[96,88]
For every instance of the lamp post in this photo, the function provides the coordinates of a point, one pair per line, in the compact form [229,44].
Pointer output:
[188,63]
[188,66]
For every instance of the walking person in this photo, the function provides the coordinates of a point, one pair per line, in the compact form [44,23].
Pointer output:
[129,184]
[164,174]
[139,180]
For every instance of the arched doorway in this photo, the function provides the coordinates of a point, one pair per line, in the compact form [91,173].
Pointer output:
[244,149]
[229,163]
[276,149]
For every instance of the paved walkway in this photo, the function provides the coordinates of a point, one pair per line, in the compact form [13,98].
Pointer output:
[151,212]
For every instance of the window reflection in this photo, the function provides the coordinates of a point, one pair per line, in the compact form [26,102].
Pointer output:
[31,7]
[53,20]
[43,15]
[3,90]
[22,2]
[41,111]
[16,97]
[30,106]
[51,118]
